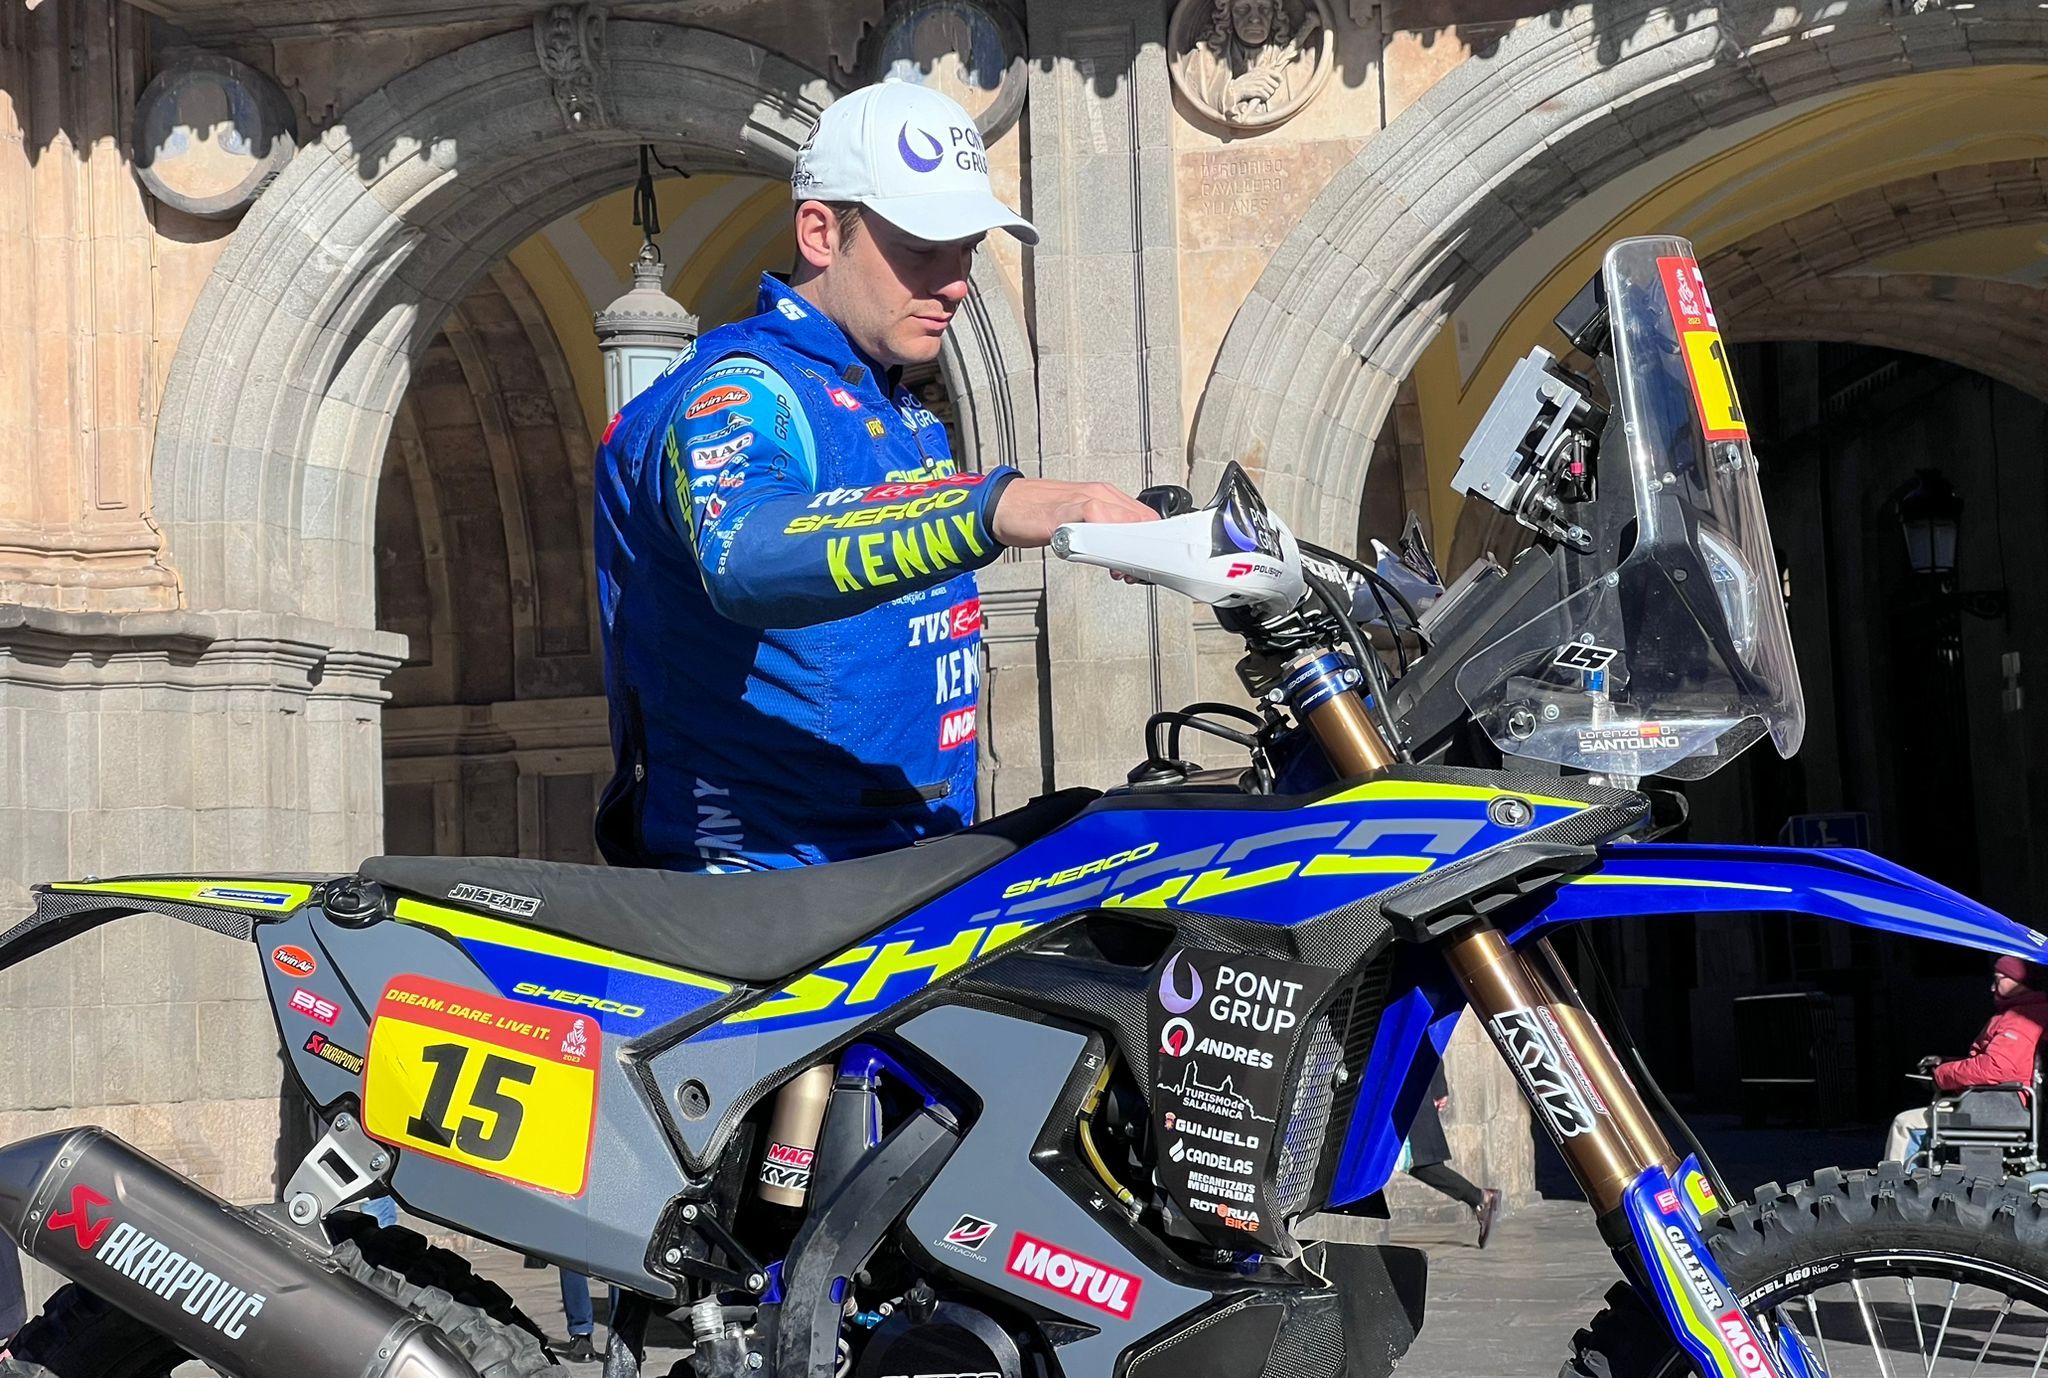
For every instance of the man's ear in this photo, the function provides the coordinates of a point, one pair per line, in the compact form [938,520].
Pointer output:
[817,234]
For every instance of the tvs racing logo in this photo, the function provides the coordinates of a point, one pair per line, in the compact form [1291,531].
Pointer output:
[1083,1279]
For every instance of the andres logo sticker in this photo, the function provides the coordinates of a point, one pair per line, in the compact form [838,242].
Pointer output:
[498,1086]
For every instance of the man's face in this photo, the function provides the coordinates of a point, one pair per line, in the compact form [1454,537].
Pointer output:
[1253,20]
[894,295]
[2003,987]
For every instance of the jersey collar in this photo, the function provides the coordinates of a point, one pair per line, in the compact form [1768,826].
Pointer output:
[800,327]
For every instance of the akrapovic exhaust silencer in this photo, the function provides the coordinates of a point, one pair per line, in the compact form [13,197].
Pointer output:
[226,1286]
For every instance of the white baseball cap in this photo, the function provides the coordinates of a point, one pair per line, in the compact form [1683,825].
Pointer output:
[910,155]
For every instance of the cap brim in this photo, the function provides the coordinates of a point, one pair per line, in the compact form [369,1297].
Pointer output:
[944,217]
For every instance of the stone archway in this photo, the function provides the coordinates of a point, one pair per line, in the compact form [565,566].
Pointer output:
[296,360]
[1495,150]
[299,351]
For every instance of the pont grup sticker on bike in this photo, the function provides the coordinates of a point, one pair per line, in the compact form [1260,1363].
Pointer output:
[498,1086]
[1706,357]
[1225,1028]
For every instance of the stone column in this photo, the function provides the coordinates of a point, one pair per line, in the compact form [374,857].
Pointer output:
[170,742]
[1107,316]
[78,389]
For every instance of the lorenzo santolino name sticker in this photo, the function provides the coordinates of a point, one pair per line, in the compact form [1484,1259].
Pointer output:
[1224,1029]
[496,1085]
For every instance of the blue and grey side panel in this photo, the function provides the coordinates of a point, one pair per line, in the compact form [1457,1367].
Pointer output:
[1413,1032]
[232,906]
[1645,878]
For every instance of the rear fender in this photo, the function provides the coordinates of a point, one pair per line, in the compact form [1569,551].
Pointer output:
[1644,879]
[232,905]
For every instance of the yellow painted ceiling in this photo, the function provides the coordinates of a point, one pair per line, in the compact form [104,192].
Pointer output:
[719,234]
[1717,193]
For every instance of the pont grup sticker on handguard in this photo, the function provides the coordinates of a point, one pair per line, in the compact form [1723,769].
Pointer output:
[1226,1029]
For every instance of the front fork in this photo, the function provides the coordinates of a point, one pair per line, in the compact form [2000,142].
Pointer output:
[1650,1205]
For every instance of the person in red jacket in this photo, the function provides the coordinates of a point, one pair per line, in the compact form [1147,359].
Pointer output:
[2004,1051]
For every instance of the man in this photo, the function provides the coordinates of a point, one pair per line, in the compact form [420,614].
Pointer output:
[785,547]
[2004,1052]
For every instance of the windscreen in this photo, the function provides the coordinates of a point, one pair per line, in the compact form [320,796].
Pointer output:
[1678,657]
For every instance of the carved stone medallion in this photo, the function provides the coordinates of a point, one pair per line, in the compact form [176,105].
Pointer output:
[1250,64]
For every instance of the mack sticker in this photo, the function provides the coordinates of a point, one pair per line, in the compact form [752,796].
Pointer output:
[158,1265]
[712,457]
[1075,1276]
[270,898]
[501,1087]
[1580,656]
[313,1007]
[327,1050]
[787,1167]
[293,961]
[504,901]
[1543,1073]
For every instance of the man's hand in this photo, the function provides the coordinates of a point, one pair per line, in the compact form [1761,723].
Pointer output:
[1029,510]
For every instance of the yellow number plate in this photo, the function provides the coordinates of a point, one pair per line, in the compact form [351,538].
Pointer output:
[1706,358]
[499,1086]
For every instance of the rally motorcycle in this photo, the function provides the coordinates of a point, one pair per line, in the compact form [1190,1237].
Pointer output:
[1077,1091]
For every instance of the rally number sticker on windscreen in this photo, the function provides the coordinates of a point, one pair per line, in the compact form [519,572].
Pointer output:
[1706,358]
[498,1086]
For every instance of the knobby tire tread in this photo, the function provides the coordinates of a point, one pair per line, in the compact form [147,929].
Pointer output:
[1832,1214]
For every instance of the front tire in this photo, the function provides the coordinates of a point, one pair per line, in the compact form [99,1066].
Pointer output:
[1872,1269]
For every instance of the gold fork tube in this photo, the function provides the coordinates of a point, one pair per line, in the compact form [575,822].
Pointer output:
[1576,1086]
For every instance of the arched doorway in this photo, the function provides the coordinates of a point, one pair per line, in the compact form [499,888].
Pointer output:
[341,287]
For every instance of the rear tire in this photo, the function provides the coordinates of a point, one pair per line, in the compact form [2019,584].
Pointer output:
[78,1335]
[1791,1242]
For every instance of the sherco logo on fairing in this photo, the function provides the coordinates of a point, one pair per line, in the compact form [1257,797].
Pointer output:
[1083,1279]
[157,1267]
[504,901]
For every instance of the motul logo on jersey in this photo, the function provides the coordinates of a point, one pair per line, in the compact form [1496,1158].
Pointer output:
[1083,1279]
[955,728]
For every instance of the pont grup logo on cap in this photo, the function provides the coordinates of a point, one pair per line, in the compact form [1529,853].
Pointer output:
[924,151]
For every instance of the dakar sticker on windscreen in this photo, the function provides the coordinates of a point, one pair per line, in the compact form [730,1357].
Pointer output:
[496,1085]
[1706,358]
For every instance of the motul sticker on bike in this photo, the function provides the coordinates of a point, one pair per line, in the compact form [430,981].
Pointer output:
[498,1086]
[1074,1276]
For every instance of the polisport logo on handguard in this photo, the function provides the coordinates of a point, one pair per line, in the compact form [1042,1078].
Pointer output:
[1072,1275]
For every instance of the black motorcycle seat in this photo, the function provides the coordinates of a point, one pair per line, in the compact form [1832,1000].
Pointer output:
[754,926]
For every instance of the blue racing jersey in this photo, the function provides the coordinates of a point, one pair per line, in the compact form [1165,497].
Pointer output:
[792,630]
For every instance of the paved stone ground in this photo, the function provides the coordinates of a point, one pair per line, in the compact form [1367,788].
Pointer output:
[1505,1312]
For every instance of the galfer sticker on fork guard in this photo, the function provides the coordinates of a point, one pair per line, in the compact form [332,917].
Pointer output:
[1224,1030]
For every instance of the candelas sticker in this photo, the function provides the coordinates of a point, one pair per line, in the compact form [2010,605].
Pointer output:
[1706,358]
[498,1086]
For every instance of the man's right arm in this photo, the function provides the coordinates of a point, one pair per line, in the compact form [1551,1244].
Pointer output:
[742,490]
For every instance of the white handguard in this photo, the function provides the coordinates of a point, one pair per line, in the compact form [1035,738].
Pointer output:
[1207,555]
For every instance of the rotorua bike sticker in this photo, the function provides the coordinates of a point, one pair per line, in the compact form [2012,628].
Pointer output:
[499,1086]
